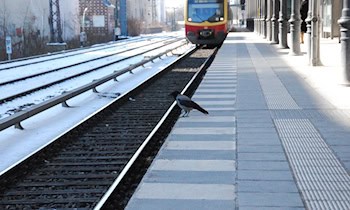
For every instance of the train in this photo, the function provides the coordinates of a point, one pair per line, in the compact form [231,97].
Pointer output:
[207,22]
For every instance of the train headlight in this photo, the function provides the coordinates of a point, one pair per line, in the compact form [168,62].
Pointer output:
[221,18]
[189,19]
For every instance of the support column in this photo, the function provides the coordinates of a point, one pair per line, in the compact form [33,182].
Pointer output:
[268,21]
[264,18]
[308,31]
[315,33]
[295,28]
[283,24]
[256,20]
[344,22]
[258,17]
[274,21]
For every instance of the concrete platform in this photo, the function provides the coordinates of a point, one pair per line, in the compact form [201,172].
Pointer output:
[273,139]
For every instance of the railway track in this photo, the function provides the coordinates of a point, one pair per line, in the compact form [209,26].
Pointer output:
[76,170]
[67,72]
[23,62]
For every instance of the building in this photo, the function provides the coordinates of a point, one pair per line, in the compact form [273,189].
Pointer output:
[97,18]
[31,25]
[26,23]
[150,13]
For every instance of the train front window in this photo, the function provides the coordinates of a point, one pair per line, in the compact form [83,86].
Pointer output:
[205,10]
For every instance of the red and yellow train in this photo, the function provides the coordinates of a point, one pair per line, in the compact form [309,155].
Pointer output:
[207,22]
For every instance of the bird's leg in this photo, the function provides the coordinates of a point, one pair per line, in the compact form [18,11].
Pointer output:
[187,113]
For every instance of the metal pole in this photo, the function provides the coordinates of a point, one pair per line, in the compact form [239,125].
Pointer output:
[315,34]
[295,28]
[82,33]
[344,22]
[83,23]
[283,24]
[174,25]
[116,24]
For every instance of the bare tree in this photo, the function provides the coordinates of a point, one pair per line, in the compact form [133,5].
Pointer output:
[134,27]
[3,29]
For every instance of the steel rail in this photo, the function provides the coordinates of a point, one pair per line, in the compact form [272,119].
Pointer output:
[28,91]
[18,117]
[83,62]
[101,204]
[72,52]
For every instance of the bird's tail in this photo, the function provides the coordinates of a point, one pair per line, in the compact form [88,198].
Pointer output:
[199,108]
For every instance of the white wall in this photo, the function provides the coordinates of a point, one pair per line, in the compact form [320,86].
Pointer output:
[33,15]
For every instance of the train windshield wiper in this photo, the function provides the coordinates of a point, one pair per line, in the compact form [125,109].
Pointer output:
[214,18]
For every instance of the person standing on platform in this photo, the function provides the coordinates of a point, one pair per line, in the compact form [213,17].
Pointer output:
[304,8]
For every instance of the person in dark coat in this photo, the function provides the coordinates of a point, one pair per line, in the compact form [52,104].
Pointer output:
[304,8]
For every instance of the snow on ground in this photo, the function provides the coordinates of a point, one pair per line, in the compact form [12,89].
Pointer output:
[43,128]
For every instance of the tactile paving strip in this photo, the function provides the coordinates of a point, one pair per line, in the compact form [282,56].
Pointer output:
[322,180]
[276,94]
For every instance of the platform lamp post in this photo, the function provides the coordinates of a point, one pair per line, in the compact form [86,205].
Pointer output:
[117,31]
[83,36]
[171,11]
[84,13]
[344,22]
[174,19]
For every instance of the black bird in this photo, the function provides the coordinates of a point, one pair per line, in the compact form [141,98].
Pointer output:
[186,104]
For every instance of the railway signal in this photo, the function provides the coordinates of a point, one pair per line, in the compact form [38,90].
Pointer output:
[8,47]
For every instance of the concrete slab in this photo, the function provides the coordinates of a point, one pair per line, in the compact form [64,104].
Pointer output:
[171,204]
[201,137]
[263,165]
[194,165]
[280,200]
[274,186]
[197,155]
[186,191]
[205,130]
[200,145]
[191,177]
[264,175]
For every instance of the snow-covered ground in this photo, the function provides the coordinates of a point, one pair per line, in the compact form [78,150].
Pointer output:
[45,127]
[22,103]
